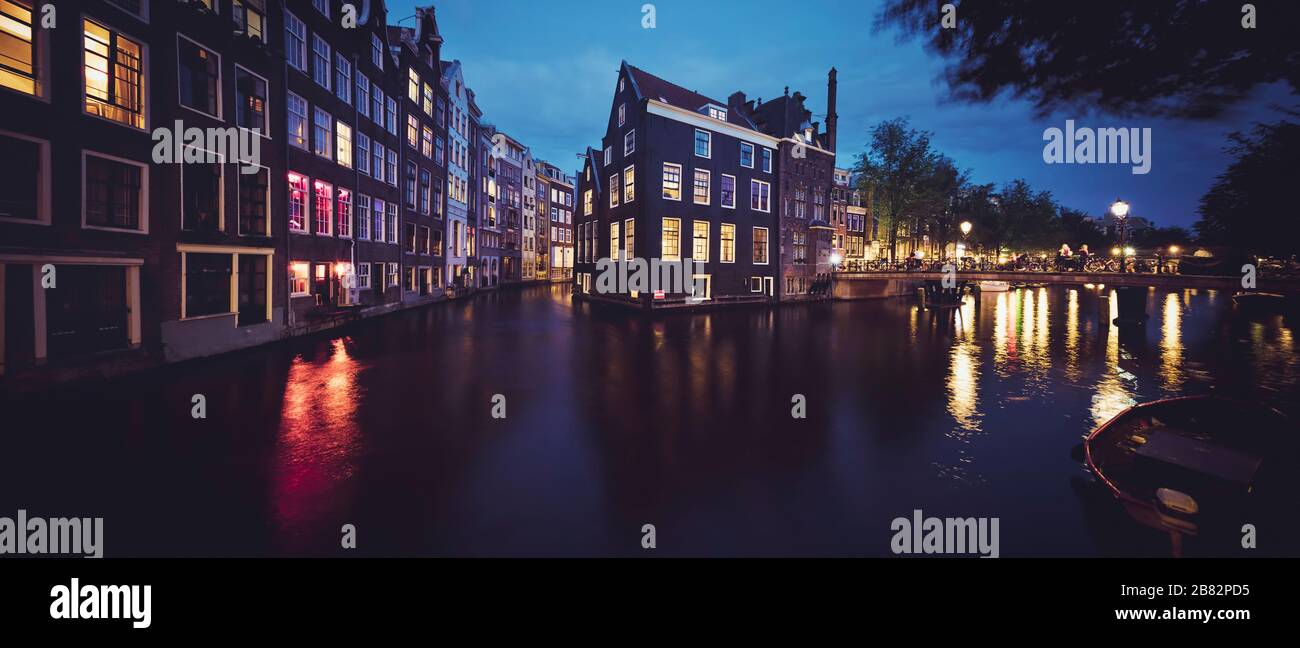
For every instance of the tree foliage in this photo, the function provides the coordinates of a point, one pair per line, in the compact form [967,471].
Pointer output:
[1184,58]
[1252,205]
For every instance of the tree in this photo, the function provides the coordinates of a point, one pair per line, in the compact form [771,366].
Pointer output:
[1029,216]
[1078,229]
[1251,205]
[1183,58]
[900,170]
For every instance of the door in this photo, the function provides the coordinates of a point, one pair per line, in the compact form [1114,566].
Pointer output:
[86,311]
[767,286]
[252,289]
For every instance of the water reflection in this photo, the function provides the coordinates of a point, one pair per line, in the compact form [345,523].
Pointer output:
[317,441]
[616,420]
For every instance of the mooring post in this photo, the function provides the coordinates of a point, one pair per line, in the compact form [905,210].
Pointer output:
[1132,305]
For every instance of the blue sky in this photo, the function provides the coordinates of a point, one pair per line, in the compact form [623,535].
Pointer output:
[544,71]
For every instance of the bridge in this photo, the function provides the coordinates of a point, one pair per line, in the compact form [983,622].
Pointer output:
[1284,285]
[1131,288]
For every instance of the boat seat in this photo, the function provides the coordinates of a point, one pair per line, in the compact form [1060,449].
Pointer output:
[1169,446]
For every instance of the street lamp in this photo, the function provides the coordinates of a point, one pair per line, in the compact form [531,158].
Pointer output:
[1119,208]
[965,228]
[836,259]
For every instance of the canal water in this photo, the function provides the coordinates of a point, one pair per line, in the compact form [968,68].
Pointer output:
[614,421]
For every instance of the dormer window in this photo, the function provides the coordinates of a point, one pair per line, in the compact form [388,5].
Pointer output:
[717,112]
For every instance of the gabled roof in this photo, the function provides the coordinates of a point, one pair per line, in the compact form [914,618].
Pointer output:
[595,170]
[649,86]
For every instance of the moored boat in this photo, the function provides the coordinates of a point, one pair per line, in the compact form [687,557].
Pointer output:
[994,286]
[1259,302]
[1185,464]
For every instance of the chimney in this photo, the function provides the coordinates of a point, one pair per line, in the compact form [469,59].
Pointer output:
[831,117]
[736,100]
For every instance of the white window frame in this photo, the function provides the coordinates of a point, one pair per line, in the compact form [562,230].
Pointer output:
[708,189]
[680,177]
[266,101]
[43,193]
[767,246]
[144,194]
[721,194]
[629,142]
[220,80]
[753,154]
[628,196]
[709,153]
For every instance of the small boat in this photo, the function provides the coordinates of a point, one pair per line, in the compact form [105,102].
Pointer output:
[1259,302]
[994,286]
[1185,464]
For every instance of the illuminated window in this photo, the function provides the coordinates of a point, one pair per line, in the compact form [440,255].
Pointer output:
[629,184]
[760,245]
[701,186]
[250,18]
[324,208]
[343,147]
[728,248]
[671,243]
[629,237]
[114,75]
[412,131]
[345,213]
[297,120]
[613,240]
[586,203]
[700,249]
[298,279]
[18,54]
[426,141]
[413,85]
[428,100]
[672,181]
[297,202]
[718,113]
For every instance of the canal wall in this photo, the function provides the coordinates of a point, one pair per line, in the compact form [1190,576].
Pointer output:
[862,288]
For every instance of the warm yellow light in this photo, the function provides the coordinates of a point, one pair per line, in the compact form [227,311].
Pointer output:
[1129,251]
[965,227]
[1173,249]
[1114,251]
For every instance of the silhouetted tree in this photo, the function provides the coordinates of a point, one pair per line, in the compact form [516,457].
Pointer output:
[1252,204]
[1185,58]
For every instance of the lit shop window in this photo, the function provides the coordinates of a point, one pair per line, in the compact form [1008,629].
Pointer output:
[297,202]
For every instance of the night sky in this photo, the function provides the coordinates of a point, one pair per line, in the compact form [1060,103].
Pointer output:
[544,71]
